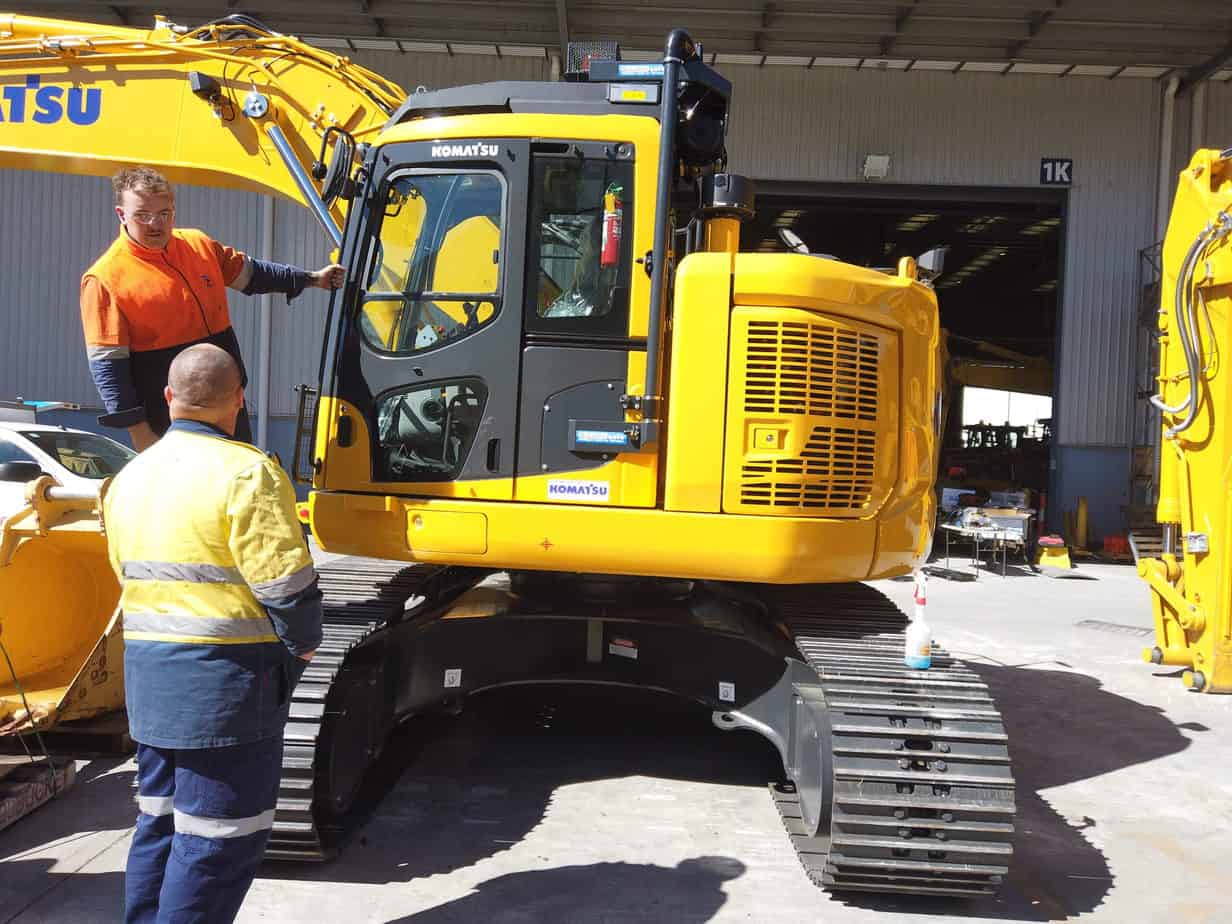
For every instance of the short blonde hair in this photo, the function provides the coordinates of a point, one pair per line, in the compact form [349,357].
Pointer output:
[140,179]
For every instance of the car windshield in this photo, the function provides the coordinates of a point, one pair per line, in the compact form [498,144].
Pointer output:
[84,454]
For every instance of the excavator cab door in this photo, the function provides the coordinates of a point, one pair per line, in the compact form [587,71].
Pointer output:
[429,345]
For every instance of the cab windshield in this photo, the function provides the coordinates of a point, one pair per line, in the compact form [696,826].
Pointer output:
[435,266]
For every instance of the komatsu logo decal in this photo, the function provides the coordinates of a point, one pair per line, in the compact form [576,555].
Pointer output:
[465,150]
[32,102]
[599,492]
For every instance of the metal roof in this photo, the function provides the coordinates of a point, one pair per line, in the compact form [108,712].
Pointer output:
[1096,38]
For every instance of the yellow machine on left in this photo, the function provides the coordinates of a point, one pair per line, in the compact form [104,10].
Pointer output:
[53,554]
[228,104]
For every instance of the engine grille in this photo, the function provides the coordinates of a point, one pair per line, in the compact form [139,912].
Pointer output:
[800,367]
[816,384]
[836,470]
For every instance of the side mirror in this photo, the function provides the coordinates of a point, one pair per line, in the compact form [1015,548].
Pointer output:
[20,471]
[793,241]
[932,262]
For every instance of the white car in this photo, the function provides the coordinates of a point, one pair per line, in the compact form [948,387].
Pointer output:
[74,458]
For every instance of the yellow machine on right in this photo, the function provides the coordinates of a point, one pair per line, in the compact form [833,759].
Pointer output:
[1190,579]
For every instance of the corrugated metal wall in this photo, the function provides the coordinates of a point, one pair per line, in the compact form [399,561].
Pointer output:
[1218,132]
[975,129]
[814,125]
[51,230]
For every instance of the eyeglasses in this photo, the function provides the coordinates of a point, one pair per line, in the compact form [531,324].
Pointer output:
[149,218]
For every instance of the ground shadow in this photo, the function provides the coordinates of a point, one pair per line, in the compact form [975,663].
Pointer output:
[93,898]
[960,568]
[454,791]
[473,786]
[1063,728]
[98,801]
[689,893]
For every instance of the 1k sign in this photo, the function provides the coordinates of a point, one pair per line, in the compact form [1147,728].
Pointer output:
[1056,171]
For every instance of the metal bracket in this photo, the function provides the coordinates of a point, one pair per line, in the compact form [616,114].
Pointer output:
[648,405]
[772,714]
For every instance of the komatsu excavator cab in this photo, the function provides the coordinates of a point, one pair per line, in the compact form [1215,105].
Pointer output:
[551,356]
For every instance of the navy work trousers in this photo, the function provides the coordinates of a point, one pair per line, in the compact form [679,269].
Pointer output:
[204,818]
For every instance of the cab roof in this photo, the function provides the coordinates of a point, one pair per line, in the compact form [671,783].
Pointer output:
[518,96]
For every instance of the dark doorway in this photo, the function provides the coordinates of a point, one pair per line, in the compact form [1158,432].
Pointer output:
[999,296]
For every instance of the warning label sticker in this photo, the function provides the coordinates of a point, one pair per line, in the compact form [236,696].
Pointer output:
[594,492]
[622,648]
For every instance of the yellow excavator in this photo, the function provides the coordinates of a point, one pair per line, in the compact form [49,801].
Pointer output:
[1189,578]
[617,450]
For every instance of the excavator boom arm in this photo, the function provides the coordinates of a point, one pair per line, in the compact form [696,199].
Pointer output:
[227,104]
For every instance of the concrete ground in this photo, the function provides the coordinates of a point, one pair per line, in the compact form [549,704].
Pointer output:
[558,806]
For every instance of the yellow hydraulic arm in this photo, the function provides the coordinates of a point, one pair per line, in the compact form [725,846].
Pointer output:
[1190,579]
[230,104]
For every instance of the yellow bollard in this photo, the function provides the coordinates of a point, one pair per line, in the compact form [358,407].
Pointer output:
[1080,526]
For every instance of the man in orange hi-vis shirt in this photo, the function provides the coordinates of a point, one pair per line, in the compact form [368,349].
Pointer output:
[158,290]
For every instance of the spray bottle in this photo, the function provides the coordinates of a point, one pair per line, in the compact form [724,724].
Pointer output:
[919,647]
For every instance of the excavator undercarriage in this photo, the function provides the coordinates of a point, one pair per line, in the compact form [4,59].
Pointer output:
[894,780]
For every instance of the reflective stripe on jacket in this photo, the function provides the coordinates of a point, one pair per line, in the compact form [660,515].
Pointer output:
[218,589]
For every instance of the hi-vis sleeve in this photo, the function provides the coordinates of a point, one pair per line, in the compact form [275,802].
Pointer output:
[107,350]
[268,545]
[256,277]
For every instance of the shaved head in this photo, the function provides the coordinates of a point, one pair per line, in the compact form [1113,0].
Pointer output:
[204,383]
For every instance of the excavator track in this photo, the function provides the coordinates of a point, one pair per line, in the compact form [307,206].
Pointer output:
[921,795]
[361,596]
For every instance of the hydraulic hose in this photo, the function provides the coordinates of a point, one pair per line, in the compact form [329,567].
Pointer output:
[1187,323]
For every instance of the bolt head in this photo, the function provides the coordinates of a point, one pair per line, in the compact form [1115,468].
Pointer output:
[900,813]
[940,766]
[904,763]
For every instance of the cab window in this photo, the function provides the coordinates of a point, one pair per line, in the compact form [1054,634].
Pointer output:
[435,270]
[581,244]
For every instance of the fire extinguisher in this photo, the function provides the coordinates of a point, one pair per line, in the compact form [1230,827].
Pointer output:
[613,219]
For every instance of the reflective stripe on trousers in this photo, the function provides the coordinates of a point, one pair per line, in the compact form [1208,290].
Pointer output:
[202,825]
[155,806]
[205,818]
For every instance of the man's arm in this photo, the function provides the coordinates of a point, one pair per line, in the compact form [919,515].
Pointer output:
[107,349]
[256,277]
[267,543]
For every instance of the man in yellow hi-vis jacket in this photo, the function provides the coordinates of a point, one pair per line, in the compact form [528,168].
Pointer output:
[221,615]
